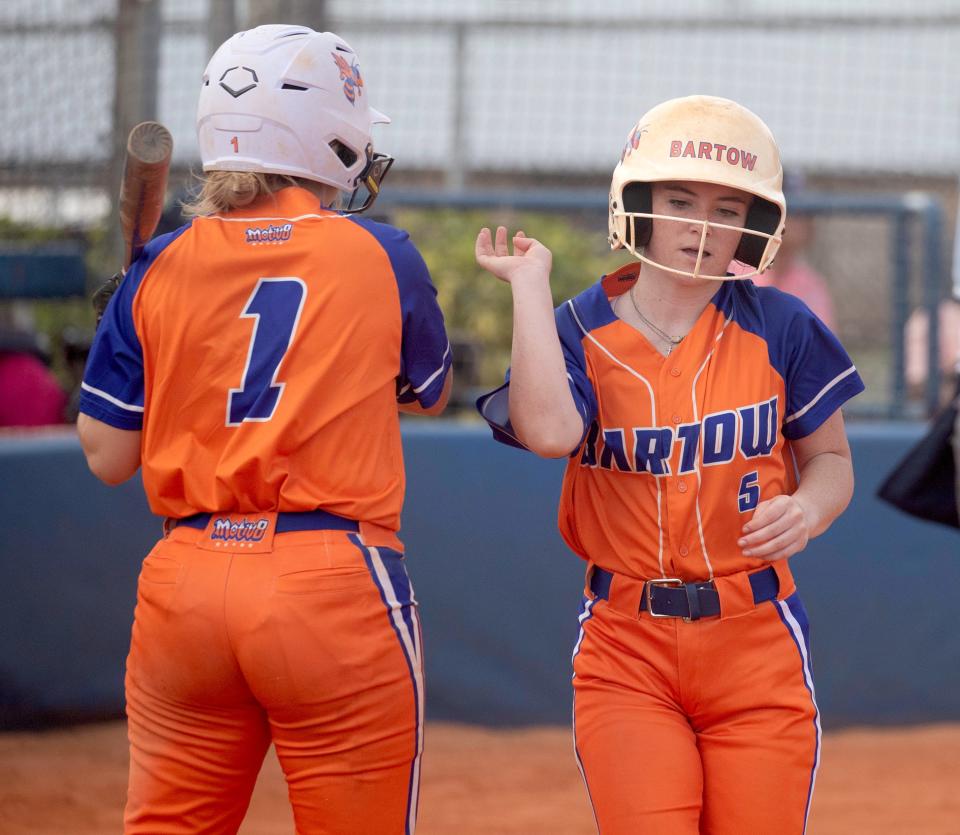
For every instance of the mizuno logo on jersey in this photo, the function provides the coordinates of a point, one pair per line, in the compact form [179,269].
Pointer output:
[713,151]
[751,430]
[242,531]
[269,234]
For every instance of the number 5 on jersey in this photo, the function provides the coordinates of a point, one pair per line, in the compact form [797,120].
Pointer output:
[749,496]
[275,306]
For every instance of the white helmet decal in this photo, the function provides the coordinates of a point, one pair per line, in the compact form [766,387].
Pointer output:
[700,139]
[238,80]
[288,100]
[350,75]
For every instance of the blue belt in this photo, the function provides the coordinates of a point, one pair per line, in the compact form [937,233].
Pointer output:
[666,597]
[309,520]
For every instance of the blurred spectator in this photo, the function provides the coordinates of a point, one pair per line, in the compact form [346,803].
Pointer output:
[956,442]
[30,394]
[76,345]
[916,349]
[790,271]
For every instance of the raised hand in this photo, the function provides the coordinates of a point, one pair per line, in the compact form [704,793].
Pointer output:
[530,259]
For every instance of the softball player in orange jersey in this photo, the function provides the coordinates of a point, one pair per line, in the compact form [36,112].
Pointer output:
[678,399]
[252,363]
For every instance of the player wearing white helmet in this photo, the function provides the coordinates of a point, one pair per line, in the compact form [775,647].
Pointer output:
[287,100]
[253,362]
[673,388]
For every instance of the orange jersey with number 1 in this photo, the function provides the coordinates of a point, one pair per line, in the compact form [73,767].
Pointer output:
[263,354]
[305,329]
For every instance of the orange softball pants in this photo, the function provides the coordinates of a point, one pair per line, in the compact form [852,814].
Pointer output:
[311,643]
[707,726]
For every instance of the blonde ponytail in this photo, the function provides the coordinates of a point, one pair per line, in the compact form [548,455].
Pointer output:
[225,190]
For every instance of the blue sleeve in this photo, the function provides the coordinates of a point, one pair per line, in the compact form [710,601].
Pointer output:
[112,390]
[494,406]
[425,351]
[112,387]
[425,356]
[819,374]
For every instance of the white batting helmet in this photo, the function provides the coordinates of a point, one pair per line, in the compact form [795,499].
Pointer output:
[288,100]
[701,139]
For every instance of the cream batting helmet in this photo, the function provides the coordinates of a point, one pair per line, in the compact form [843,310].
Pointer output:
[288,100]
[701,139]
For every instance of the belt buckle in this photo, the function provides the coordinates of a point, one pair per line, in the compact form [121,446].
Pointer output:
[660,581]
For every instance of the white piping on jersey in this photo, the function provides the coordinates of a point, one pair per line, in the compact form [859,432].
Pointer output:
[262,219]
[801,412]
[111,399]
[653,411]
[433,376]
[582,617]
[696,463]
[404,390]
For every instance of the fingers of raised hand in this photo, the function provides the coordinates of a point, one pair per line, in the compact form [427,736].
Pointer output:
[484,243]
[500,246]
[530,258]
[491,253]
[522,244]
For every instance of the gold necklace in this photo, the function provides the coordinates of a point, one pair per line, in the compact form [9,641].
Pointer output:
[672,340]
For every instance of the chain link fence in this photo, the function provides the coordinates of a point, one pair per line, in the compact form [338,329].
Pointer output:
[537,97]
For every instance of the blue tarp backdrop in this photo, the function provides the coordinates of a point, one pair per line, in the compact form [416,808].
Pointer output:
[499,591]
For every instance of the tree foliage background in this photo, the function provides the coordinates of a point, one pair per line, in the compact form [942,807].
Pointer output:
[478,307]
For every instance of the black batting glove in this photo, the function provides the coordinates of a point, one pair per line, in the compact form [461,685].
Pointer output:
[102,296]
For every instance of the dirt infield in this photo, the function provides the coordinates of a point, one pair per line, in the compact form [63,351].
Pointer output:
[484,782]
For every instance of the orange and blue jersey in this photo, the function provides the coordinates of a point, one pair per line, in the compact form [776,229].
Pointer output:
[263,352]
[678,450]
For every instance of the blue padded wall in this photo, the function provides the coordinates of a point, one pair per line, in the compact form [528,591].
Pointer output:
[499,591]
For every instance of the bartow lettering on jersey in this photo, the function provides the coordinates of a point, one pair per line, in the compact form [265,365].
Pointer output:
[713,151]
[752,430]
[271,234]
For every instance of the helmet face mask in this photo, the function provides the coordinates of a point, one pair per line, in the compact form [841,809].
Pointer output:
[700,139]
[288,100]
[635,219]
[368,188]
